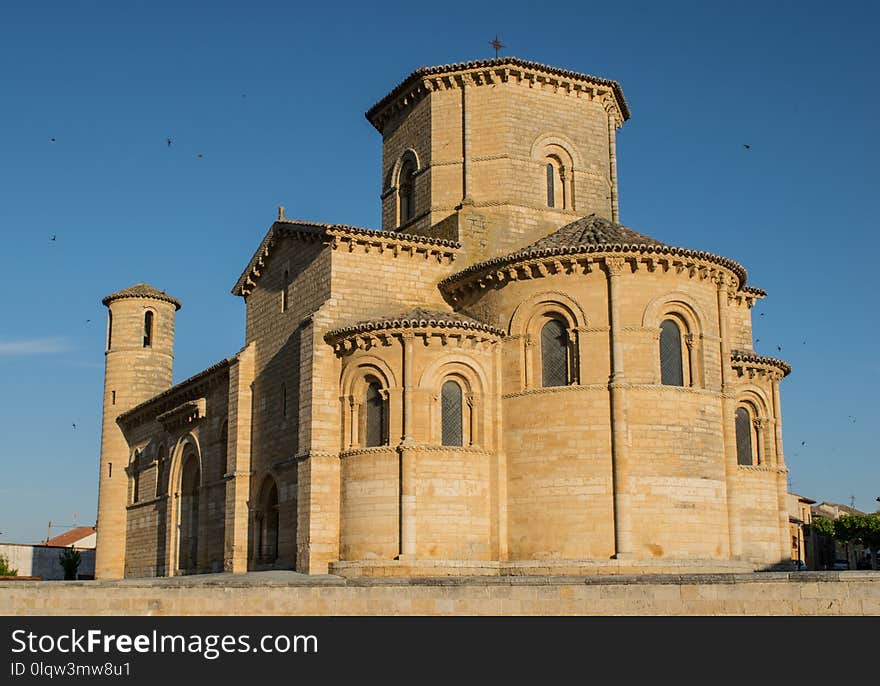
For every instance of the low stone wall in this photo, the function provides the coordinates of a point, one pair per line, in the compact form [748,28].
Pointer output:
[288,593]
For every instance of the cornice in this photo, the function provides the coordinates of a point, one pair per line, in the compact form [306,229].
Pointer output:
[761,468]
[750,363]
[384,334]
[425,80]
[341,235]
[582,260]
[190,389]
[183,415]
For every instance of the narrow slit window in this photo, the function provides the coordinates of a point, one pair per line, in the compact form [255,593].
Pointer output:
[148,329]
[285,286]
[451,414]
[283,400]
[671,368]
[551,191]
[136,478]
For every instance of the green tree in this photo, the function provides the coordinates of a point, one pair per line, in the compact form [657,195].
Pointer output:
[823,526]
[854,529]
[5,569]
[69,560]
[860,529]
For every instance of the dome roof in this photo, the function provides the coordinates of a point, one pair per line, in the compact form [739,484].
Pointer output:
[142,290]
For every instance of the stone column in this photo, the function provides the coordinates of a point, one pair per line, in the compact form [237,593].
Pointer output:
[623,533]
[498,526]
[728,412]
[466,189]
[782,476]
[612,165]
[238,463]
[407,457]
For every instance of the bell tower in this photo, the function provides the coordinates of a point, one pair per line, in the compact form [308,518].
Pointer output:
[138,362]
[497,153]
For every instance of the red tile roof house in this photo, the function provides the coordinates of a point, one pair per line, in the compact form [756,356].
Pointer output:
[40,560]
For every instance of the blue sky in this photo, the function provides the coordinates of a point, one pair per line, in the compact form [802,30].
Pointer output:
[272,96]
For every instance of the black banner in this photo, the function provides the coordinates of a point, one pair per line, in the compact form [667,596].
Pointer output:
[232,650]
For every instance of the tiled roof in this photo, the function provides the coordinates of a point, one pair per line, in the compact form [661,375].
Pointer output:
[70,537]
[417,318]
[142,290]
[591,230]
[318,231]
[176,389]
[490,64]
[746,356]
[593,234]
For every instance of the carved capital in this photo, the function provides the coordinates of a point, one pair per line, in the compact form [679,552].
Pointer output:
[615,265]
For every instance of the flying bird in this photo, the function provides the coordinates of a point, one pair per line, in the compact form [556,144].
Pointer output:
[168,140]
[779,348]
[762,314]
[74,426]
[803,442]
[51,140]
[53,237]
[747,146]
[200,155]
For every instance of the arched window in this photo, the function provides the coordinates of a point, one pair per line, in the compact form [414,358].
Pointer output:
[375,432]
[451,414]
[109,329]
[406,191]
[671,367]
[554,354]
[266,524]
[744,448]
[558,193]
[148,328]
[284,288]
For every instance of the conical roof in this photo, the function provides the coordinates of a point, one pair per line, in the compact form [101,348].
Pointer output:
[589,232]
[142,290]
[592,234]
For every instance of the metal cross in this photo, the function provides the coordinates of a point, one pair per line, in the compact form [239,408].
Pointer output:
[496,44]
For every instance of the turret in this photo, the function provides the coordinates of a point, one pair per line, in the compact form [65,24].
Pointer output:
[496,154]
[138,364]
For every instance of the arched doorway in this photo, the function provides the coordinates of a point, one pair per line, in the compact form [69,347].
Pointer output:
[188,515]
[266,524]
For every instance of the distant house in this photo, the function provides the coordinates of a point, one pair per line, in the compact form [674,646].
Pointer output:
[41,559]
[82,537]
[799,518]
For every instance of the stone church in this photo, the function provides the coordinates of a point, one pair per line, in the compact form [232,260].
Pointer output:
[502,380]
